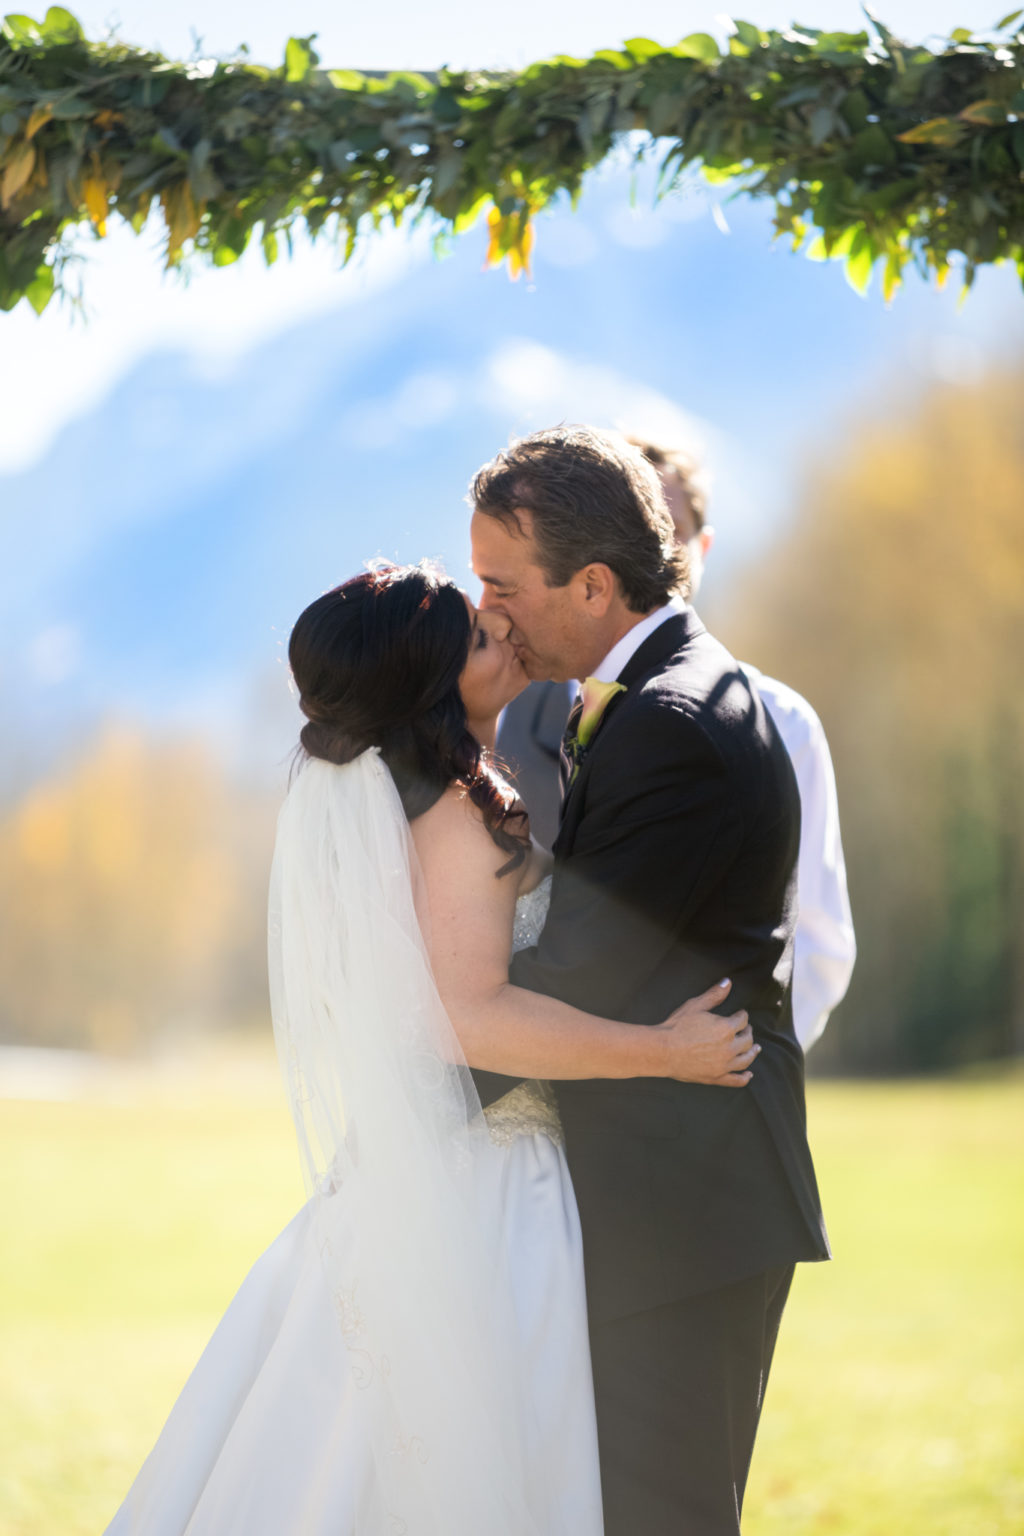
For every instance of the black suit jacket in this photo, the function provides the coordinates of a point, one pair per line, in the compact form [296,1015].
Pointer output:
[675,865]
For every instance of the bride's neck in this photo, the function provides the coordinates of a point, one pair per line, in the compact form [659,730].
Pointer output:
[485,732]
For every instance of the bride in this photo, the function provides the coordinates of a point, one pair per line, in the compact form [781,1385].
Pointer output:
[409,1357]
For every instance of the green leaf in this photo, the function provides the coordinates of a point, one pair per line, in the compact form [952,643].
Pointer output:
[961,34]
[299,58]
[662,113]
[1009,20]
[59,26]
[347,79]
[860,262]
[752,37]
[944,131]
[823,123]
[39,291]
[643,48]
[872,146]
[20,29]
[854,108]
[987,112]
[699,45]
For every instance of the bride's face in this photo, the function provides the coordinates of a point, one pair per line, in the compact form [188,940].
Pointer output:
[493,674]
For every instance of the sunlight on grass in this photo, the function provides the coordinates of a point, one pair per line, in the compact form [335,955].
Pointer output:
[896,1404]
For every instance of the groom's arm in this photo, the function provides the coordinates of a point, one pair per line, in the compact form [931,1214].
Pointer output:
[662,823]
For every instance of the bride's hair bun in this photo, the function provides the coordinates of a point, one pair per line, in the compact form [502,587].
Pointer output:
[377,663]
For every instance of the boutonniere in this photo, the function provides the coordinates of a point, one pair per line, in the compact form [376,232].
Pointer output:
[596,698]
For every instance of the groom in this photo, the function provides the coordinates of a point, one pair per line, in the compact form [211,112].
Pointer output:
[674,867]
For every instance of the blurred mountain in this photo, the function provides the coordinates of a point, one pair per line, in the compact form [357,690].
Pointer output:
[155,558]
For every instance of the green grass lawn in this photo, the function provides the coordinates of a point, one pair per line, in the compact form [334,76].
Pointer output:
[897,1401]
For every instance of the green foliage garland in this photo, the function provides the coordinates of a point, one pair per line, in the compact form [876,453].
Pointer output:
[871,149]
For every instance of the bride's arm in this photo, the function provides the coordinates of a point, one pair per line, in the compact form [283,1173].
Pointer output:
[518,1033]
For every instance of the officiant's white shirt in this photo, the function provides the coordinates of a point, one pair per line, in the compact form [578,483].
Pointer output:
[824,946]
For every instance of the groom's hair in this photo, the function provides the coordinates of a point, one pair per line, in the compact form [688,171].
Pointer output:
[592,497]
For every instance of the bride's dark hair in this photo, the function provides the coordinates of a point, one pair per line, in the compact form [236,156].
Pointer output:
[377,663]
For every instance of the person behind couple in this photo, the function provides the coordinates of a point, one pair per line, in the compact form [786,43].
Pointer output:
[675,856]
[530,732]
[290,1424]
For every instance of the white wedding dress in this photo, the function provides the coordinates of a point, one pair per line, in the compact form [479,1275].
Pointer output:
[273,1433]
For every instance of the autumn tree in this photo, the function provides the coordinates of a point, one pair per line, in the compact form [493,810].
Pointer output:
[133,886]
[896,603]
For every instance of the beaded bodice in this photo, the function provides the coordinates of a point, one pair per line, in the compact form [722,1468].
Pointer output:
[530,1108]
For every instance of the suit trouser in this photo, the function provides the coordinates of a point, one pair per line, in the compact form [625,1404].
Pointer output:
[679,1392]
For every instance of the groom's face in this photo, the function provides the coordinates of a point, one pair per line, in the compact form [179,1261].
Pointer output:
[550,629]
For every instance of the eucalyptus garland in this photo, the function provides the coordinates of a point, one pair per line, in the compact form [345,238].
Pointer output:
[873,150]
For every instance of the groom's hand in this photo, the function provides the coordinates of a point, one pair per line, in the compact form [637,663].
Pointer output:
[704,1047]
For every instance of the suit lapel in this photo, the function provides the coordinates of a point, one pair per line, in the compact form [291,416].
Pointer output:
[666,641]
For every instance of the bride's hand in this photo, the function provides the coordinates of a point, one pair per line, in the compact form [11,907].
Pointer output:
[704,1047]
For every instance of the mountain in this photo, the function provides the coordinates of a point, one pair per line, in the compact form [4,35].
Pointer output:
[155,558]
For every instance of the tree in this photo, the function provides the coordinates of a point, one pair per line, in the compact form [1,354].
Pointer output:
[131,904]
[897,605]
[872,150]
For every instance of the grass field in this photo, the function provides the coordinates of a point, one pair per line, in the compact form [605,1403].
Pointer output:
[897,1401]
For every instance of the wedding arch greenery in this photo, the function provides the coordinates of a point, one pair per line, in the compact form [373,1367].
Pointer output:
[872,149]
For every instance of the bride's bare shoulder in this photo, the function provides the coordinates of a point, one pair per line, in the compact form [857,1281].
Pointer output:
[453,831]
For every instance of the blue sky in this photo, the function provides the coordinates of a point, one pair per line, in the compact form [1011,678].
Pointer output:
[179,475]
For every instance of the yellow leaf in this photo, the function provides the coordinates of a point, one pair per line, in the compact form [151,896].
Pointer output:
[94,195]
[39,117]
[107,118]
[494,224]
[892,277]
[511,237]
[181,215]
[17,171]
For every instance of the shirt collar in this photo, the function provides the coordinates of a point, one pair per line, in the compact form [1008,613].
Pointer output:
[623,651]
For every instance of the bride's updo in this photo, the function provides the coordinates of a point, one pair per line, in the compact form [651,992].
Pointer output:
[377,663]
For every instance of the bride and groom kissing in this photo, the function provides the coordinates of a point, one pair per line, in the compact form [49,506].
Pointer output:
[556,1191]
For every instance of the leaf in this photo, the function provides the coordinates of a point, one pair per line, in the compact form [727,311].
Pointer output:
[854,108]
[1009,20]
[699,45]
[944,131]
[892,277]
[961,34]
[94,195]
[859,263]
[347,79]
[643,48]
[17,171]
[823,122]
[752,37]
[989,113]
[39,291]
[298,59]
[59,26]
[20,29]
[39,118]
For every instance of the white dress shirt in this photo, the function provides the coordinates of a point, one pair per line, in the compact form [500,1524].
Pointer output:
[825,945]
[625,649]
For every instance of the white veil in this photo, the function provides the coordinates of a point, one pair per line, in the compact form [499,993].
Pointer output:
[399,1163]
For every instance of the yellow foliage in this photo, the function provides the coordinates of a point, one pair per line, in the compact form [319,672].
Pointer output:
[182,216]
[896,604]
[128,896]
[94,195]
[40,117]
[21,162]
[511,237]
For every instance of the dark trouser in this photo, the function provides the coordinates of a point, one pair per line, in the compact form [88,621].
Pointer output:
[679,1392]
